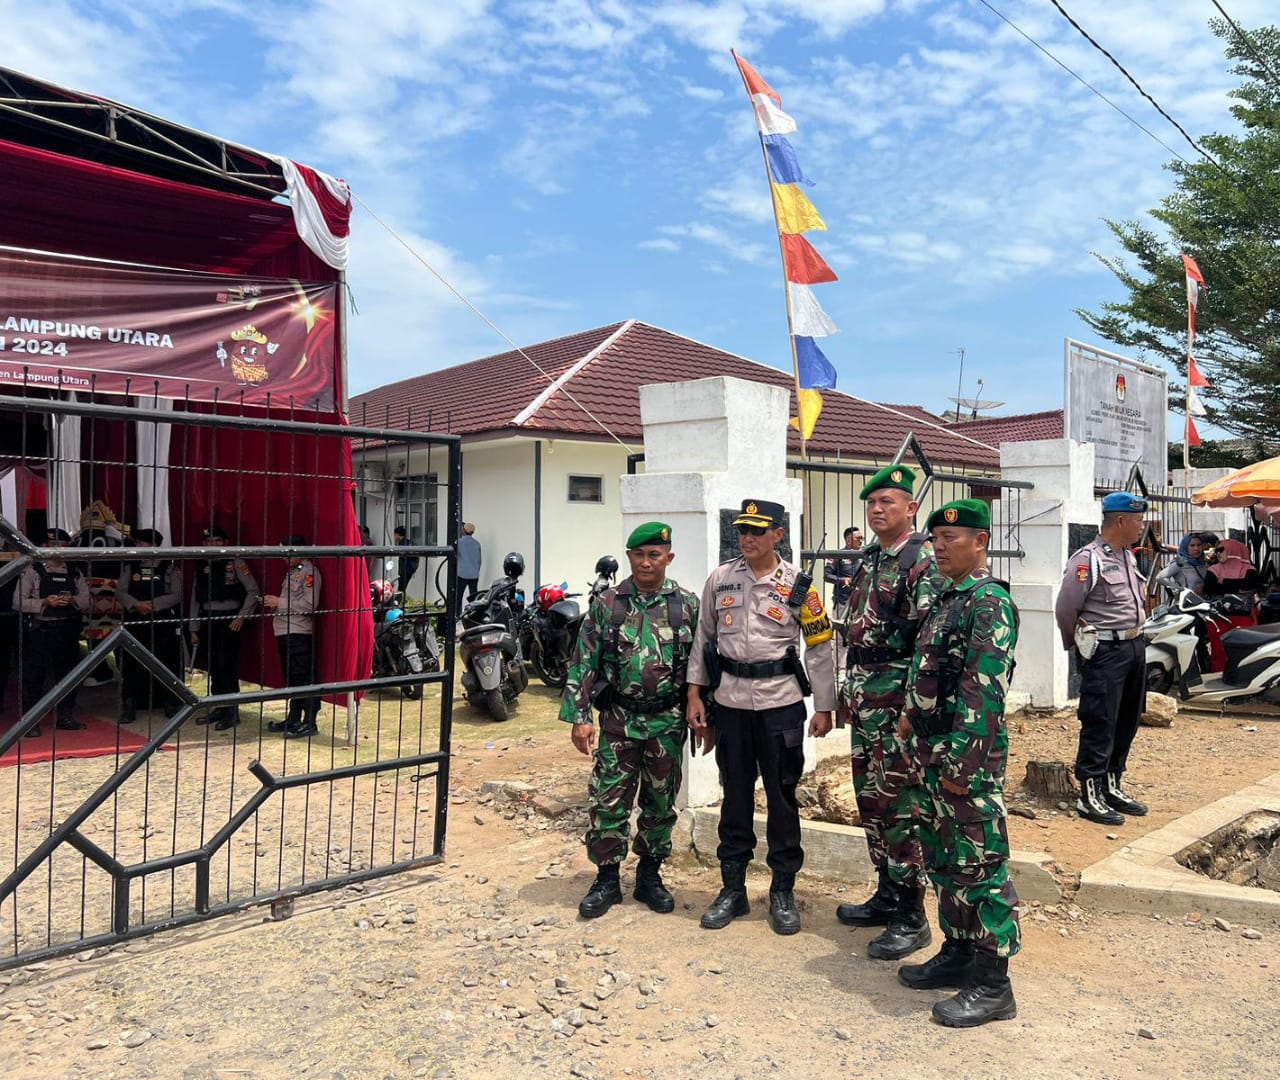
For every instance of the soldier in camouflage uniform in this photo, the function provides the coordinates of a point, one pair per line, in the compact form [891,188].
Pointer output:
[629,663]
[955,710]
[893,588]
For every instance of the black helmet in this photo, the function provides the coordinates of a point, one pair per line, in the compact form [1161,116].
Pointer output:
[513,564]
[606,566]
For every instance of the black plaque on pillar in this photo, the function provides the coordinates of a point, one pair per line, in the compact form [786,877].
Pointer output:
[729,536]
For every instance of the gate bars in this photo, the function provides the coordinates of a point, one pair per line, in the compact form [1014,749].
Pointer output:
[172,821]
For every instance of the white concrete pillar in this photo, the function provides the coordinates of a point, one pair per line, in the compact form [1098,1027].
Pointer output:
[1062,472]
[708,445]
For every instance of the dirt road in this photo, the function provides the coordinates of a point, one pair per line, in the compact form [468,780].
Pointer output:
[483,969]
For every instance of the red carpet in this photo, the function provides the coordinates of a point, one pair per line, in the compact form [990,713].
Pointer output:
[99,739]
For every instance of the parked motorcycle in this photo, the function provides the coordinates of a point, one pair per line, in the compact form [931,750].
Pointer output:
[403,644]
[489,646]
[1252,670]
[550,627]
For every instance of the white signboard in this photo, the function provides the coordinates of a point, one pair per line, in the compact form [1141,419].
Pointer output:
[1120,406]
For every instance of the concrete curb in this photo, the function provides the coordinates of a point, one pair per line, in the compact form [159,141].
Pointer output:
[1144,878]
[840,852]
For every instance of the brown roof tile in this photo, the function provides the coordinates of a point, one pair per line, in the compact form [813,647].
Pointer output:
[1023,427]
[488,395]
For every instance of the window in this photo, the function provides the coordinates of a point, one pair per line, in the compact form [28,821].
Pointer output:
[416,507]
[586,489]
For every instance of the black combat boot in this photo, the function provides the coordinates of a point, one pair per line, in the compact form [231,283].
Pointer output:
[908,929]
[988,997]
[953,966]
[128,711]
[876,911]
[784,916]
[1118,800]
[731,903]
[650,889]
[1092,804]
[605,891]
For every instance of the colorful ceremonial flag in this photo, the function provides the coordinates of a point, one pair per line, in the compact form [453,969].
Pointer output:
[783,166]
[810,410]
[1195,407]
[803,267]
[794,211]
[816,372]
[802,262]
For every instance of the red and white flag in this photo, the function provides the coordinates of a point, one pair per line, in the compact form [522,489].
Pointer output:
[1195,378]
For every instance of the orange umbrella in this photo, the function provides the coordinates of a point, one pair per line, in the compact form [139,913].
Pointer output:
[1259,482]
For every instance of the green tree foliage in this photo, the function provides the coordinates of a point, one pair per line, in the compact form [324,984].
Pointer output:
[1227,217]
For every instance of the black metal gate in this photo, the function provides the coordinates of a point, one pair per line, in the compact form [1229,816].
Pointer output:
[120,829]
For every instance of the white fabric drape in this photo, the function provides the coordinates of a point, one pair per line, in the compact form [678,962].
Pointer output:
[64,474]
[9,497]
[309,219]
[153,469]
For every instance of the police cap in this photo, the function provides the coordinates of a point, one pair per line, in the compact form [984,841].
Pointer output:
[759,512]
[1124,502]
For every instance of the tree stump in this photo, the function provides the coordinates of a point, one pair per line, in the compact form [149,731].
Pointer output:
[1050,780]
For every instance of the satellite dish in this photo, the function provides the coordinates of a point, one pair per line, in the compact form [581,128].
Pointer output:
[971,405]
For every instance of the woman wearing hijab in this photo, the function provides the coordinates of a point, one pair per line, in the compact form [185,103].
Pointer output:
[1187,569]
[1231,572]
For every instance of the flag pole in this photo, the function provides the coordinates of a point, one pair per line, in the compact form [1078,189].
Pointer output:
[791,334]
[782,256]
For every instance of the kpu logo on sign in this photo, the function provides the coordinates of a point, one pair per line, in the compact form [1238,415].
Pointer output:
[1120,388]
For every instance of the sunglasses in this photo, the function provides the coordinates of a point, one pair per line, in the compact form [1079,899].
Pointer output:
[752,530]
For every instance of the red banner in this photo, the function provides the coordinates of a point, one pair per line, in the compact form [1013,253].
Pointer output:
[76,324]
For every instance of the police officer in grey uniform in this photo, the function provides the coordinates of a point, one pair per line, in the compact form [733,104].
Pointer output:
[150,595]
[1100,614]
[755,611]
[226,594]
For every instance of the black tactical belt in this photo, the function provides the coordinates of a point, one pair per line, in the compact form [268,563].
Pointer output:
[649,706]
[765,669]
[861,656]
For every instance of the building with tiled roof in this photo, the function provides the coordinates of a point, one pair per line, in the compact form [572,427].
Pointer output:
[547,430]
[1023,427]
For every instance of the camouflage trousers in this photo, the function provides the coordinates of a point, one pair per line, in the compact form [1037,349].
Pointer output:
[623,765]
[966,848]
[886,781]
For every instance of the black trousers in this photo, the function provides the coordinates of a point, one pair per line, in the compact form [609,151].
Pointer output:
[297,662]
[49,651]
[768,743]
[220,648]
[163,638]
[467,587]
[8,649]
[1113,693]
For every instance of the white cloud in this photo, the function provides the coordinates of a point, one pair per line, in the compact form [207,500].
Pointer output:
[661,243]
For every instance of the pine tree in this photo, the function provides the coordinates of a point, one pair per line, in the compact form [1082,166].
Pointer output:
[1227,217]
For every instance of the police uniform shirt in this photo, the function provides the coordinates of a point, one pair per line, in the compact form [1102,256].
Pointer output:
[1103,588]
[299,594]
[750,621]
[28,600]
[240,569]
[171,597]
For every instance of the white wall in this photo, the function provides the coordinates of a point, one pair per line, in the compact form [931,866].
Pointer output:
[497,497]
[574,534]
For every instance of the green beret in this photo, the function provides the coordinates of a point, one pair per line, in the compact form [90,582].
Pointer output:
[891,476]
[967,513]
[651,532]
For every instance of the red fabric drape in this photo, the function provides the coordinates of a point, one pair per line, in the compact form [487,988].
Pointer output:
[53,202]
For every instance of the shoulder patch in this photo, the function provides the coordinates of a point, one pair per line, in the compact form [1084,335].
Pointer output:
[813,602]
[242,566]
[1082,572]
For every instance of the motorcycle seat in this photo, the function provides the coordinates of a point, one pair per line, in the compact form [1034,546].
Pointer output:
[1252,637]
[482,628]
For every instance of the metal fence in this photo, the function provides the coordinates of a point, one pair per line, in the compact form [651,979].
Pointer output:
[123,811]
[831,496]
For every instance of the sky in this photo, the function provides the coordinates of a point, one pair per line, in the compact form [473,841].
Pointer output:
[572,163]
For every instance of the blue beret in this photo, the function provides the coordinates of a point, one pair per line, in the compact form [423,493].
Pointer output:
[1124,502]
